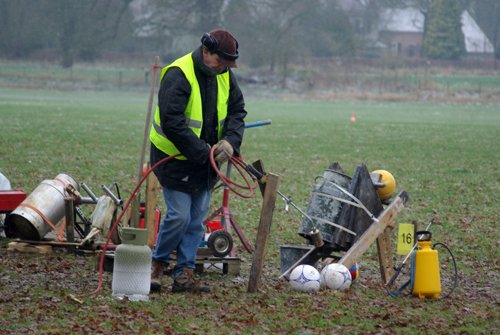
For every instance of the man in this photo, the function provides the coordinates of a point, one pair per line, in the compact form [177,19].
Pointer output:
[199,105]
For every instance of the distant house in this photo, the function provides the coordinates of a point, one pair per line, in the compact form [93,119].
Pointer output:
[476,41]
[401,31]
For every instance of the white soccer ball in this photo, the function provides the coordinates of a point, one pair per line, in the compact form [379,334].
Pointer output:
[336,277]
[305,278]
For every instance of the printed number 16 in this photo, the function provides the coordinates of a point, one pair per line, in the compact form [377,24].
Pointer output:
[407,238]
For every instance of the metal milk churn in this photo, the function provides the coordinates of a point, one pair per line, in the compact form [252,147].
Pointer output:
[132,266]
[46,202]
[324,206]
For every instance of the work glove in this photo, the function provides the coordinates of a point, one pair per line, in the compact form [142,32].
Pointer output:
[223,151]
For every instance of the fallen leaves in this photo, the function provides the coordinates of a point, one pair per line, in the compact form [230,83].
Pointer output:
[39,293]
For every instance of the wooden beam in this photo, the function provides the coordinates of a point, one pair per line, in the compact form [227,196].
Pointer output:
[266,217]
[26,247]
[386,218]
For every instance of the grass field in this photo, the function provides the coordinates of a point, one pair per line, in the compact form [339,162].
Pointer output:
[383,82]
[445,156]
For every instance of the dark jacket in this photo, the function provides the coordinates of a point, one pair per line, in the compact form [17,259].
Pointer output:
[195,173]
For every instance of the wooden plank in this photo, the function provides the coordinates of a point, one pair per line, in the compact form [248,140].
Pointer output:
[266,218]
[232,268]
[26,247]
[384,249]
[70,220]
[152,188]
[52,243]
[230,265]
[373,232]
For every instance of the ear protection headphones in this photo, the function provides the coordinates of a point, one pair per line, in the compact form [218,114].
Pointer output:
[212,45]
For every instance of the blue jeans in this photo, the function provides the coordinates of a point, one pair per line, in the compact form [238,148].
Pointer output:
[182,228]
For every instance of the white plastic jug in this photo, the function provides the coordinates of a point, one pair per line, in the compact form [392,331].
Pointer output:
[132,266]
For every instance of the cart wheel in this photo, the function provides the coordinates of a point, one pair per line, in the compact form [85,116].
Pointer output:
[220,242]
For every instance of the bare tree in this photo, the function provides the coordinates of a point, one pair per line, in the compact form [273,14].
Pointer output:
[20,32]
[168,21]
[83,27]
[277,26]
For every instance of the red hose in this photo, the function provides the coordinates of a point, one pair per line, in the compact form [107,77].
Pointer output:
[235,160]
[241,167]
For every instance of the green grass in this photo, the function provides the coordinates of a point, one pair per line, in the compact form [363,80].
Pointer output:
[467,82]
[452,83]
[457,82]
[444,155]
[36,75]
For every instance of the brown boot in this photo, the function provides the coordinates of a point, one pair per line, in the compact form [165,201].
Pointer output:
[156,275]
[185,282]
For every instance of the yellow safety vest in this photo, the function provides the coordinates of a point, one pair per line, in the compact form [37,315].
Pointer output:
[194,109]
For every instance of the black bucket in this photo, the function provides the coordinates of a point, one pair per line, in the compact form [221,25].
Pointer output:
[289,254]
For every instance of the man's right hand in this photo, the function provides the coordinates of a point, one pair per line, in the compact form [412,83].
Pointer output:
[223,151]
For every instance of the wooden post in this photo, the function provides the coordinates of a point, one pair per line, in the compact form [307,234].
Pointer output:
[134,212]
[385,255]
[384,249]
[136,202]
[70,221]
[152,189]
[266,217]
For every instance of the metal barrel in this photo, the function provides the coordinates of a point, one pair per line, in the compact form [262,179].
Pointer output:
[48,199]
[325,205]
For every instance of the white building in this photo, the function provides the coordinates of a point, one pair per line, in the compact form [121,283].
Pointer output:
[401,30]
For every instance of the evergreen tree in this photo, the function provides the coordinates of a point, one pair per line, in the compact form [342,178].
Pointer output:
[444,38]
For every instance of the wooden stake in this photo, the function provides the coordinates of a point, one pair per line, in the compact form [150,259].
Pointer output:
[135,203]
[147,124]
[266,217]
[70,220]
[385,255]
[152,189]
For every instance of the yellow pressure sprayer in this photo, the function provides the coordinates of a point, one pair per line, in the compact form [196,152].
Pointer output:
[425,276]
[425,268]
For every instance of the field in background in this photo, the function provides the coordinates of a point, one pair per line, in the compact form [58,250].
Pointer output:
[320,80]
[444,155]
